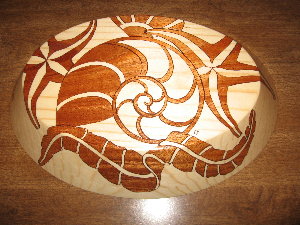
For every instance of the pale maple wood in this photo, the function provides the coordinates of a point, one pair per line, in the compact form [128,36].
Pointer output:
[231,109]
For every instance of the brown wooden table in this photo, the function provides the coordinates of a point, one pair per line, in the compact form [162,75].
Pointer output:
[265,192]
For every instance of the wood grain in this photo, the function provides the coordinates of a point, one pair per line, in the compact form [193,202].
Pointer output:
[266,192]
[153,109]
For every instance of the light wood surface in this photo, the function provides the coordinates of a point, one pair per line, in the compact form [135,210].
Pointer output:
[265,192]
[142,106]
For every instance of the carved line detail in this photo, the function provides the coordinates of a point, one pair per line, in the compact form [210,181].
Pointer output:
[106,70]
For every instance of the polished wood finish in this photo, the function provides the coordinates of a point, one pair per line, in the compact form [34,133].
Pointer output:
[265,192]
[142,106]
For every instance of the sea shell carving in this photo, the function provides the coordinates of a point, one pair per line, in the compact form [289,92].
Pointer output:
[129,95]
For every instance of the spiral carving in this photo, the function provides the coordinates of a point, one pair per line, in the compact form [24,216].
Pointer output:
[149,99]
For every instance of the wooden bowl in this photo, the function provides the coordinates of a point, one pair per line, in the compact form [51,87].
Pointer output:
[142,107]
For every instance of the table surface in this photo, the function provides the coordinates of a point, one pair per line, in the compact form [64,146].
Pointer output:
[265,192]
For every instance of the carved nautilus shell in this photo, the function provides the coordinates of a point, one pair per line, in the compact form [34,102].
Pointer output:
[142,106]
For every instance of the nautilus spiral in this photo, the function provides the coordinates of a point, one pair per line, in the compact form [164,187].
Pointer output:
[142,106]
